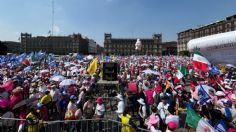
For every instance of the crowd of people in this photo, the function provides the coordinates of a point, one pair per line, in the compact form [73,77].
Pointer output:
[152,95]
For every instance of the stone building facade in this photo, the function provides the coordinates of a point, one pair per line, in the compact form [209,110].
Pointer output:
[126,46]
[54,44]
[225,25]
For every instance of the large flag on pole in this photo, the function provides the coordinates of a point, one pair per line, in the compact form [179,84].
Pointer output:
[195,121]
[92,67]
[200,62]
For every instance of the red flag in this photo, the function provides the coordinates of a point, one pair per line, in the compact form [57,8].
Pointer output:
[26,61]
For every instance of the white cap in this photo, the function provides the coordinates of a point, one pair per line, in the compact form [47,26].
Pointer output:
[220,93]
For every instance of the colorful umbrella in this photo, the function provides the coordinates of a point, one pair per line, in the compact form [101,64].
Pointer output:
[44,71]
[67,82]
[58,78]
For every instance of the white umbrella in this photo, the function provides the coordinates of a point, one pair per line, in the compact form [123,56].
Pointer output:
[73,68]
[145,64]
[44,71]
[67,82]
[58,78]
[89,57]
[67,64]
[148,71]
[230,65]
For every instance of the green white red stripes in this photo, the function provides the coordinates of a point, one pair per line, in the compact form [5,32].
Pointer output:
[200,62]
[181,73]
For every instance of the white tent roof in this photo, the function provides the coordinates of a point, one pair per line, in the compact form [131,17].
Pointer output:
[217,41]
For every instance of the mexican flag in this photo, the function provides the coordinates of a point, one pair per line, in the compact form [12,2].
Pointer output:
[200,62]
[181,73]
[33,58]
[195,121]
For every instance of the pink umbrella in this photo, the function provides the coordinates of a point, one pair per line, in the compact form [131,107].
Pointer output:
[4,103]
[7,85]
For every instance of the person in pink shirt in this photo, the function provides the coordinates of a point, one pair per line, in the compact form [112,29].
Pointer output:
[16,97]
[150,100]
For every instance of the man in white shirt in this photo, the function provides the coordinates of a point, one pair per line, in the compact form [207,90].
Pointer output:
[55,94]
[162,107]
[120,106]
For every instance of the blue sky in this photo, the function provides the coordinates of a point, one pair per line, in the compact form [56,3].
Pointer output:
[123,18]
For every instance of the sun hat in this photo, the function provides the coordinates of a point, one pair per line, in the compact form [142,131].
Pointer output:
[119,96]
[172,125]
[99,100]
[141,101]
[220,93]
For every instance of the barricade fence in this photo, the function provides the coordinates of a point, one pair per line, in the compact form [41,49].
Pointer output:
[84,125]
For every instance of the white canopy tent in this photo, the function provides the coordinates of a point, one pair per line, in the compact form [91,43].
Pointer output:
[218,48]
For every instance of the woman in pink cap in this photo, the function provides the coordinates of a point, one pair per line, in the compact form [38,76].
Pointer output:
[171,127]
[153,123]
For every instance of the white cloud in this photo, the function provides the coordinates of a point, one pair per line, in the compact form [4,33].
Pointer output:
[7,32]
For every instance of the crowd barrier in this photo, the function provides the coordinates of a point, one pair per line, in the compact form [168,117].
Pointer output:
[85,125]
